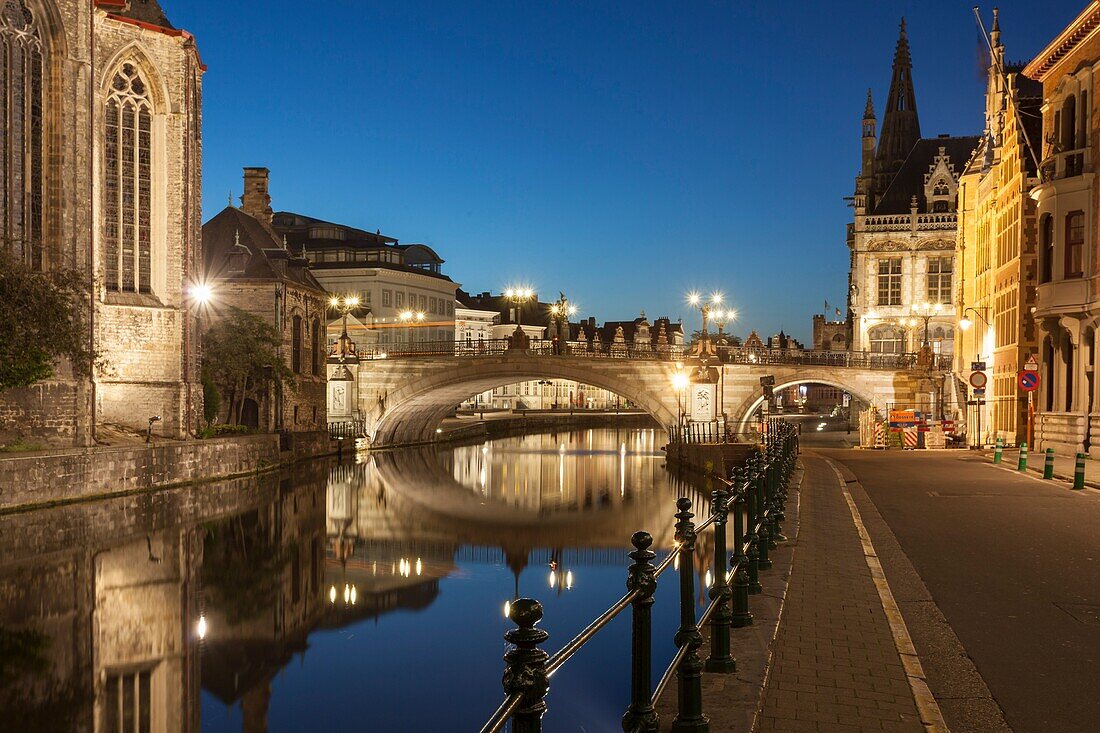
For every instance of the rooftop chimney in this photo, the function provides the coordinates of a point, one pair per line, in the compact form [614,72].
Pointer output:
[256,201]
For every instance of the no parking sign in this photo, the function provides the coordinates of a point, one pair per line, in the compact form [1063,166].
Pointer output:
[1028,380]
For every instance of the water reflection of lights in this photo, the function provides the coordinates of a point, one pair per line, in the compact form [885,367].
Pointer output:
[201,627]
[350,596]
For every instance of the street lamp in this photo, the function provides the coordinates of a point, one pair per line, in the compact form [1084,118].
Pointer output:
[965,323]
[517,297]
[706,307]
[408,318]
[923,312]
[560,312]
[343,304]
[680,382]
[721,318]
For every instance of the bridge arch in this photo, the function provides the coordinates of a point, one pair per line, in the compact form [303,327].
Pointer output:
[408,408]
[743,414]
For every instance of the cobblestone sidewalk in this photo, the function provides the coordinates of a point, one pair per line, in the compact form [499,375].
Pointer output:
[835,666]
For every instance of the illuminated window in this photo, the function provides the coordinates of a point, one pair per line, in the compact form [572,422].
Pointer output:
[127,185]
[889,281]
[939,279]
[887,340]
[21,149]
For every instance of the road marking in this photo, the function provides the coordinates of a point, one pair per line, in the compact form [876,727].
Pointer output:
[1059,482]
[927,707]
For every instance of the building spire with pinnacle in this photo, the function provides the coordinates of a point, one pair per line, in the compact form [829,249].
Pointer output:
[900,124]
[869,109]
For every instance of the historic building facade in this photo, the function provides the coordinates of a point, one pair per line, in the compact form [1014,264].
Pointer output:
[404,297]
[829,335]
[250,268]
[101,171]
[1067,308]
[996,249]
[902,238]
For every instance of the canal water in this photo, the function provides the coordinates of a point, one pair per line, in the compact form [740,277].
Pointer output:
[367,595]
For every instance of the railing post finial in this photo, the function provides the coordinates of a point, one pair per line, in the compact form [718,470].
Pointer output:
[641,716]
[525,672]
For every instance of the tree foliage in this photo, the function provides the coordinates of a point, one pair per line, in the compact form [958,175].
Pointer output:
[42,322]
[241,359]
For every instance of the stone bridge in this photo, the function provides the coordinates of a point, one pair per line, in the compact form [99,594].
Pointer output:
[403,398]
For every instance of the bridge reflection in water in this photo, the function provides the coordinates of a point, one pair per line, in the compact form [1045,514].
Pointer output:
[330,593]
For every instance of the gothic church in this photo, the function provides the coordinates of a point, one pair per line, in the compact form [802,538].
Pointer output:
[100,170]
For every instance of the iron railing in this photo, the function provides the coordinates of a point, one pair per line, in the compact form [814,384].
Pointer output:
[725,354]
[756,496]
[347,429]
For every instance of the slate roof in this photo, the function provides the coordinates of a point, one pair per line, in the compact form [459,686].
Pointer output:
[219,239]
[909,180]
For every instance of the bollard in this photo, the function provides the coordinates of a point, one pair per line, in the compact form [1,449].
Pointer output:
[1079,472]
[1048,464]
[689,713]
[1022,465]
[720,659]
[526,666]
[641,716]
[998,449]
[739,562]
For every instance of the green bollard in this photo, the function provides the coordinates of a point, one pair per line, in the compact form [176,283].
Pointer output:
[998,450]
[1022,465]
[1079,472]
[1048,464]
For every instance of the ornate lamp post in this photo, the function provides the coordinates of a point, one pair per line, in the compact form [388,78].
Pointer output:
[560,312]
[706,308]
[517,297]
[343,304]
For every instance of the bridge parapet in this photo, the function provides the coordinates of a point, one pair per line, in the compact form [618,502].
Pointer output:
[655,352]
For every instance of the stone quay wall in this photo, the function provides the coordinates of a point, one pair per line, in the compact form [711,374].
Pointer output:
[41,478]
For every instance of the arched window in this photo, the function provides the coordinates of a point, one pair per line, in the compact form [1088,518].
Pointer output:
[127,184]
[941,188]
[887,340]
[296,346]
[315,334]
[21,147]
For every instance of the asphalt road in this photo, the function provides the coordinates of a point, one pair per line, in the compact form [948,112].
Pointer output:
[1013,563]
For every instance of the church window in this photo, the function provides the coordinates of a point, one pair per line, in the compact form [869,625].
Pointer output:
[1075,244]
[318,347]
[889,281]
[127,186]
[940,207]
[939,279]
[21,141]
[296,346]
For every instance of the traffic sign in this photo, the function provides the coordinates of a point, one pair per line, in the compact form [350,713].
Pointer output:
[978,379]
[1031,365]
[977,366]
[1028,380]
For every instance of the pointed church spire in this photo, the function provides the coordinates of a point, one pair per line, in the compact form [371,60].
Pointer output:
[869,110]
[900,124]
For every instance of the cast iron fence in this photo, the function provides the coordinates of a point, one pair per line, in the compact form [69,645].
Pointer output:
[756,495]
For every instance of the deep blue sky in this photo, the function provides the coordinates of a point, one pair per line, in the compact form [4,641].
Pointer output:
[624,152]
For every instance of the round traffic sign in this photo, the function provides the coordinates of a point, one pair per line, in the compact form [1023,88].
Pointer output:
[978,380]
[1028,380]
